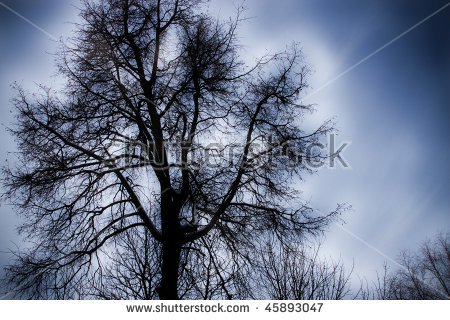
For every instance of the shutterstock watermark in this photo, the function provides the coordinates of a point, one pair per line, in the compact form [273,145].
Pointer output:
[336,153]
[265,153]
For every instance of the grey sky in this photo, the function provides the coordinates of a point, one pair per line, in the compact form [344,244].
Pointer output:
[394,108]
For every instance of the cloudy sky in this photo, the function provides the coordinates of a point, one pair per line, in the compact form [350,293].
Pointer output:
[388,89]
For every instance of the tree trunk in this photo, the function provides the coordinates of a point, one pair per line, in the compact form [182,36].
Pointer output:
[168,289]
[171,250]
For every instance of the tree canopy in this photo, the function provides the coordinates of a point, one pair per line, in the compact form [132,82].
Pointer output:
[164,162]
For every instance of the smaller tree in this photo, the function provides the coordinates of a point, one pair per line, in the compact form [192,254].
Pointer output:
[298,273]
[425,275]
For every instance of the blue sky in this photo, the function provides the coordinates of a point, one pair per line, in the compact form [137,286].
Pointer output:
[393,108]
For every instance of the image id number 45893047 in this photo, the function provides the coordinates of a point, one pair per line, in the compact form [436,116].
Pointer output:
[294,307]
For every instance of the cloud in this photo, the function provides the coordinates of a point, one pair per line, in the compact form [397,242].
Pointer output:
[394,107]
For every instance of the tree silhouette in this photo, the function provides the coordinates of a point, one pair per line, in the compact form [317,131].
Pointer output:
[297,273]
[163,162]
[425,275]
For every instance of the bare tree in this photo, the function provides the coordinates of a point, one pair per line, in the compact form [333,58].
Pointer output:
[425,274]
[298,273]
[151,173]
